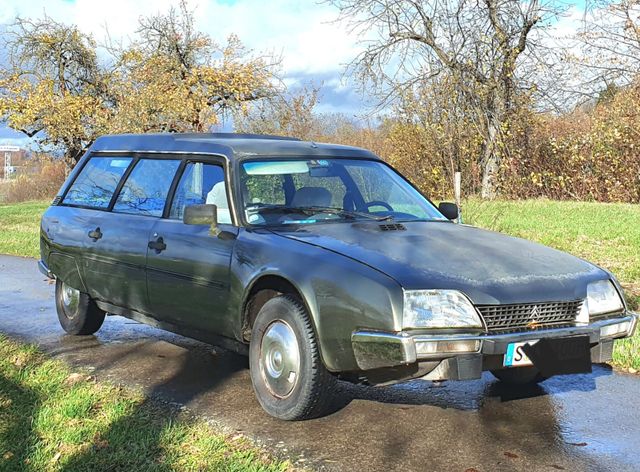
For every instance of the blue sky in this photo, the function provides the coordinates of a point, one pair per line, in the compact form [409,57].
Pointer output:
[313,46]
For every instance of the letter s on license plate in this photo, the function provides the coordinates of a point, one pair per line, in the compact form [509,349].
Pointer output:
[515,356]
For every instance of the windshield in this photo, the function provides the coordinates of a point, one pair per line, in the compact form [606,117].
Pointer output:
[309,191]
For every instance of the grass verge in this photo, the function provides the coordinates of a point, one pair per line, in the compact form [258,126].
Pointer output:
[20,228]
[52,419]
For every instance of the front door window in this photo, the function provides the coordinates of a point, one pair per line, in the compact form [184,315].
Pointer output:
[202,184]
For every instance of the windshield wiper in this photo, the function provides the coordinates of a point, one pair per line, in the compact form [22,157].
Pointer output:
[310,210]
[350,213]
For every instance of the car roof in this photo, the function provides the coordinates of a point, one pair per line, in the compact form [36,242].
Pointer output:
[231,145]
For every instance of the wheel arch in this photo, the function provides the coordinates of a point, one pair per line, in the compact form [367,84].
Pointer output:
[262,289]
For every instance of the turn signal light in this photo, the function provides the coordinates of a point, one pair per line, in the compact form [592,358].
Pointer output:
[447,347]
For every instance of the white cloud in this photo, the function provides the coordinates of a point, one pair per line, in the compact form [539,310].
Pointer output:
[313,46]
[303,33]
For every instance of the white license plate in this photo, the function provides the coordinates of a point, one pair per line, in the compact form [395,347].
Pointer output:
[515,356]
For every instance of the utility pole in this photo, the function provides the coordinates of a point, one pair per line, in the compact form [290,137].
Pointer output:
[457,188]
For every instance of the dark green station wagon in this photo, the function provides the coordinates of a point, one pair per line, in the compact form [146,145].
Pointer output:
[320,262]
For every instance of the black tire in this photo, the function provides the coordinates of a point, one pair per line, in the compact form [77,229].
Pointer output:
[80,317]
[311,393]
[519,376]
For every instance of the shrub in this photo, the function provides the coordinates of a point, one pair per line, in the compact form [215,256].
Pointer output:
[40,185]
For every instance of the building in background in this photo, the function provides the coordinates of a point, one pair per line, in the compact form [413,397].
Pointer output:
[13,161]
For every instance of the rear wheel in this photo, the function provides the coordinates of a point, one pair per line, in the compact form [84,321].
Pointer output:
[519,376]
[77,312]
[288,376]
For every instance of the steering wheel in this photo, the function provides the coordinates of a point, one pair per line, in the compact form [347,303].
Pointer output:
[379,203]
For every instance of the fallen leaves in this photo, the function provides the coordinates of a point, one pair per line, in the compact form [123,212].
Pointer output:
[19,361]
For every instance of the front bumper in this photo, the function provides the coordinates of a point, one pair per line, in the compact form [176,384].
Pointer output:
[376,350]
[42,267]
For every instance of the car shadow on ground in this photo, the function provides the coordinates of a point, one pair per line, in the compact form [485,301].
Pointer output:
[186,382]
[180,371]
[18,406]
[471,394]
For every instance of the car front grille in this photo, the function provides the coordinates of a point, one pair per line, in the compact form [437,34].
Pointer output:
[530,315]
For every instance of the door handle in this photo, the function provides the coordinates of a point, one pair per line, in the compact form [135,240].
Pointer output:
[158,245]
[95,234]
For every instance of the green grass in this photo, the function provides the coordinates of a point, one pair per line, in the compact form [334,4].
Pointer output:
[605,233]
[20,228]
[54,420]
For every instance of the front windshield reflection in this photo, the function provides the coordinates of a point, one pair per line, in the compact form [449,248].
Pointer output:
[310,191]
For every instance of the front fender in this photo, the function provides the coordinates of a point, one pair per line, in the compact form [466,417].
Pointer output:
[342,295]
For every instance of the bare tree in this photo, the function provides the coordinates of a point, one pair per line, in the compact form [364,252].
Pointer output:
[291,114]
[610,46]
[480,44]
[55,87]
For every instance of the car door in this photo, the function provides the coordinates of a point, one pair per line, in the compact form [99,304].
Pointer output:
[115,267]
[187,266]
[68,225]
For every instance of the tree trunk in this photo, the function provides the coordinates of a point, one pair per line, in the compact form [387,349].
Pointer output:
[490,160]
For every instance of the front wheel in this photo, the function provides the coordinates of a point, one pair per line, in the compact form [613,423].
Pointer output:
[77,312]
[519,376]
[288,376]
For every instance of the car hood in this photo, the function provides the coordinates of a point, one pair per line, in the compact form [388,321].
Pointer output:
[491,268]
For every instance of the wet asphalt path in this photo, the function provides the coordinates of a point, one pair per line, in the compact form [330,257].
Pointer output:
[580,422]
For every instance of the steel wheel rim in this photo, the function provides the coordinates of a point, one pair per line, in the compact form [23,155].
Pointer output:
[70,300]
[280,358]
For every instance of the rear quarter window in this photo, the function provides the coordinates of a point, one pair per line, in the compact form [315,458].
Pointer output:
[97,181]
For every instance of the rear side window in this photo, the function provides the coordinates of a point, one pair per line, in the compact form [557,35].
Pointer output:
[145,191]
[97,181]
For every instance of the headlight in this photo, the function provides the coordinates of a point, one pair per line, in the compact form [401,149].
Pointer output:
[602,297]
[438,309]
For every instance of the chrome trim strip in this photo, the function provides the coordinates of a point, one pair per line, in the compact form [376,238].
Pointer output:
[194,153]
[374,349]
[593,328]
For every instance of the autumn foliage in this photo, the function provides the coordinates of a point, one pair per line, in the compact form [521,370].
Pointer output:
[171,77]
[57,88]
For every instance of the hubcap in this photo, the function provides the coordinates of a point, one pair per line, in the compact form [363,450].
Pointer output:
[280,358]
[70,300]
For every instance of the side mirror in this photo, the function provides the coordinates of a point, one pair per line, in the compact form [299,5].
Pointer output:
[201,215]
[448,209]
